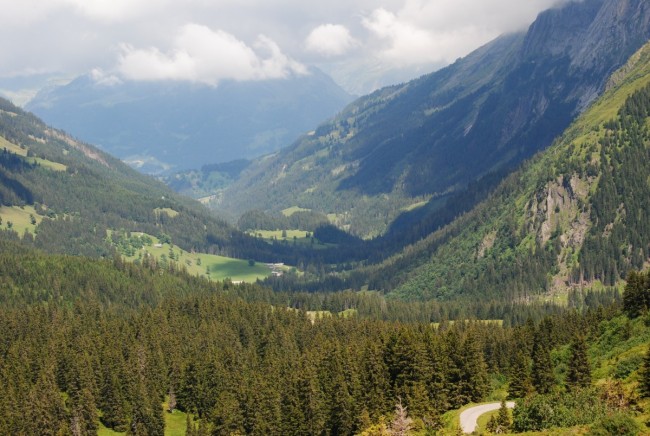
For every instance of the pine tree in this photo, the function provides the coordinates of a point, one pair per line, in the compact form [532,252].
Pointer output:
[579,374]
[503,418]
[542,372]
[520,384]
[633,295]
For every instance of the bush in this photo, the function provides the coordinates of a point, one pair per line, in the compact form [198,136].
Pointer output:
[618,424]
[540,412]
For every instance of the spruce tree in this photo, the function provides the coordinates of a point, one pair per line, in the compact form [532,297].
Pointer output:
[542,372]
[579,375]
[503,418]
[520,384]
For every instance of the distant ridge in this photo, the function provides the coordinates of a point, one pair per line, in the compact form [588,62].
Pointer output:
[161,126]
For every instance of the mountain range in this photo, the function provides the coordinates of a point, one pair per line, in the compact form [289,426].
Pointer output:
[507,266]
[422,142]
[163,126]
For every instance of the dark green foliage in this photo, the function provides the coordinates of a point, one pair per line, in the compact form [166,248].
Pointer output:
[501,423]
[115,336]
[579,375]
[539,412]
[542,370]
[615,424]
[503,418]
[636,297]
[519,375]
[618,240]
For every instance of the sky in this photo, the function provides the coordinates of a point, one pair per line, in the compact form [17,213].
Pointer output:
[362,44]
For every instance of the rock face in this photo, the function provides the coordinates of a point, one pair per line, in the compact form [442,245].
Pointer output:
[433,136]
[167,125]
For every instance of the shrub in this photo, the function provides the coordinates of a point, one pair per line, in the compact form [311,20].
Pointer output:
[617,423]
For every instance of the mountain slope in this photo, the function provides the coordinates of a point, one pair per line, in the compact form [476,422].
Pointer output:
[575,216]
[161,126]
[433,136]
[62,195]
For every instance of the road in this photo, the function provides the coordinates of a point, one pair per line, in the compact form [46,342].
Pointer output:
[469,417]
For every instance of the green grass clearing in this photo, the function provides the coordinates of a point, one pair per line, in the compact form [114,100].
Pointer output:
[413,206]
[293,209]
[277,234]
[175,424]
[498,322]
[54,166]
[13,148]
[105,431]
[166,210]
[20,217]
[272,236]
[219,267]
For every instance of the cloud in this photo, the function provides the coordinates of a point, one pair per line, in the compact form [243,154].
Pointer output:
[365,40]
[115,10]
[407,44]
[200,54]
[429,31]
[330,40]
[101,78]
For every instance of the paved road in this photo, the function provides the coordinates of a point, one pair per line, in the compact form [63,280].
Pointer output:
[469,417]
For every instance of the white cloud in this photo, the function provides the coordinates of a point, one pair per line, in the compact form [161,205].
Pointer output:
[201,54]
[429,31]
[407,44]
[330,40]
[115,10]
[101,78]
[145,38]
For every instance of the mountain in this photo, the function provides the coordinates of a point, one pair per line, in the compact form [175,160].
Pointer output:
[428,139]
[62,195]
[574,217]
[159,126]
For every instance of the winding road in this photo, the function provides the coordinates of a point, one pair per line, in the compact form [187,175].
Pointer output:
[469,417]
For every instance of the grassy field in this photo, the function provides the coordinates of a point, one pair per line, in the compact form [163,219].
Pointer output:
[293,209]
[168,210]
[175,425]
[12,147]
[20,218]
[482,321]
[55,166]
[276,235]
[206,265]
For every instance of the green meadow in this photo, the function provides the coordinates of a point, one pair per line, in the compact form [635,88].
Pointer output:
[20,218]
[210,266]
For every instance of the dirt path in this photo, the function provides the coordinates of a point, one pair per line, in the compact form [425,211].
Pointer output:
[469,417]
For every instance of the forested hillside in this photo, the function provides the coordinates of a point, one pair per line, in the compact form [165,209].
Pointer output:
[62,195]
[573,217]
[431,138]
[96,344]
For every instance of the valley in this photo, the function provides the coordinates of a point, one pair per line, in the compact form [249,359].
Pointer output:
[471,242]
